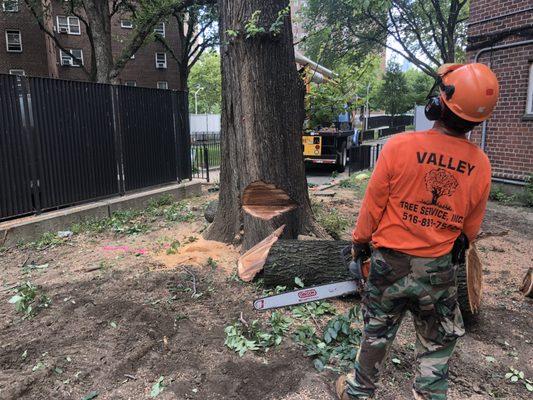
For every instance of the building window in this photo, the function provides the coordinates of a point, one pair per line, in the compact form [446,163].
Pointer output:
[14,41]
[130,83]
[161,60]
[69,25]
[160,29]
[529,106]
[126,24]
[19,72]
[10,6]
[162,85]
[68,61]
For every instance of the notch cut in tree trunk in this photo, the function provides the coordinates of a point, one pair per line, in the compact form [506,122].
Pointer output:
[266,201]
[317,262]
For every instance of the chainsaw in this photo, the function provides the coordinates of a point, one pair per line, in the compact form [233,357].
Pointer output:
[358,269]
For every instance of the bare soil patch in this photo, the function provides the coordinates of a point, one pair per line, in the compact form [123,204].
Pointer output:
[126,310]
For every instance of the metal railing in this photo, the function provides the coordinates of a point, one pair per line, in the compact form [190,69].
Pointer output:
[64,142]
[363,157]
[205,154]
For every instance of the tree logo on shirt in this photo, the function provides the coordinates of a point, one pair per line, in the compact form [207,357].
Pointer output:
[440,183]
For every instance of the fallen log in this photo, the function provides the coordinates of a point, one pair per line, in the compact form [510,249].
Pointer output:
[527,284]
[317,262]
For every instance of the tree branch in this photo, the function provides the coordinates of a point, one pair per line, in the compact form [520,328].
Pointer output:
[50,34]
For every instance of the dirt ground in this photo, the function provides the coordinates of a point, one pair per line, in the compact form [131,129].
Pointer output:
[124,313]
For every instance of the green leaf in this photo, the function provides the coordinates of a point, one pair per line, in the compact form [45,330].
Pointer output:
[521,374]
[24,355]
[298,282]
[113,324]
[529,387]
[94,394]
[15,299]
[514,378]
[157,387]
[508,375]
[396,361]
[37,366]
[319,365]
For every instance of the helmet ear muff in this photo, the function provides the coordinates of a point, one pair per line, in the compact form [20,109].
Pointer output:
[433,108]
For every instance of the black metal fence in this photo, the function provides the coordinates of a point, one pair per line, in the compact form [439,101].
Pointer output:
[65,142]
[363,157]
[205,154]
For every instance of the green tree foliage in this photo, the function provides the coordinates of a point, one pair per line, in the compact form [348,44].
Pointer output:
[419,85]
[346,93]
[206,74]
[393,92]
[427,33]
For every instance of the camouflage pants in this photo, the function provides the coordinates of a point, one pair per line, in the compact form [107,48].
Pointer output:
[427,288]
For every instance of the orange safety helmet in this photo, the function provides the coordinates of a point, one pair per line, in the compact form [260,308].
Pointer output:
[470,91]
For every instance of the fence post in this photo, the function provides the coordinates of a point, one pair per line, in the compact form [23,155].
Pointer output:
[117,129]
[26,111]
[206,160]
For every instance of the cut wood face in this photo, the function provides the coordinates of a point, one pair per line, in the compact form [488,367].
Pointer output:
[251,262]
[266,201]
[474,276]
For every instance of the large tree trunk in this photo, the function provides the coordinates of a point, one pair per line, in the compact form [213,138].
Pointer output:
[262,117]
[100,22]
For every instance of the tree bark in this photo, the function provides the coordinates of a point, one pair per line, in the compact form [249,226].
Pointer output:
[100,21]
[315,262]
[262,118]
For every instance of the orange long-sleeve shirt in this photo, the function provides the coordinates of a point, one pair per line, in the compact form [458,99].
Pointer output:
[426,189]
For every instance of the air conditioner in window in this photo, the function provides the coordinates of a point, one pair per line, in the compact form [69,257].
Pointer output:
[63,29]
[161,64]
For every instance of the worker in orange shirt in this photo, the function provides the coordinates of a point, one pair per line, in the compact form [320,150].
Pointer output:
[428,192]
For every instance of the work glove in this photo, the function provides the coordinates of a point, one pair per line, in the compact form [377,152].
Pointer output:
[360,251]
[460,246]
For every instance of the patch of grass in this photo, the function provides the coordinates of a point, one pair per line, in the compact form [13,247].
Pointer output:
[331,220]
[358,182]
[29,299]
[499,195]
[47,239]
[132,222]
[178,212]
[126,222]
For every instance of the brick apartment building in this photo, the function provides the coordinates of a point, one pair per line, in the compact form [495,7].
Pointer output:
[500,34]
[26,49]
